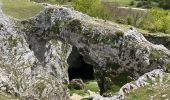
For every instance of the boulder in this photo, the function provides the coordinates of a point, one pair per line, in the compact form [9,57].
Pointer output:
[76,84]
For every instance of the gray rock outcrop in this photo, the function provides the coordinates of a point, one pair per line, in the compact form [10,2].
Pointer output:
[32,70]
[34,52]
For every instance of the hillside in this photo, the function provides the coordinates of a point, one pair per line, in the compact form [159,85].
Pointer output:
[21,9]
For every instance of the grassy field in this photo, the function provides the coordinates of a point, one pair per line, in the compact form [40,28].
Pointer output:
[121,2]
[20,9]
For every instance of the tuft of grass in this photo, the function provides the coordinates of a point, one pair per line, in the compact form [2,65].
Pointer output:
[114,89]
[155,55]
[92,86]
[21,9]
[79,92]
[119,33]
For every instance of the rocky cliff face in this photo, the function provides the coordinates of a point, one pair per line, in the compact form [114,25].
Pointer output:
[32,68]
[34,52]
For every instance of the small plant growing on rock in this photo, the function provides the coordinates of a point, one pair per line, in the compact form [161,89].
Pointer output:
[119,33]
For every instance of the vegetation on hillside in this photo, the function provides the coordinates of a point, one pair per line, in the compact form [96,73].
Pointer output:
[93,8]
[153,3]
[20,9]
[157,20]
[165,4]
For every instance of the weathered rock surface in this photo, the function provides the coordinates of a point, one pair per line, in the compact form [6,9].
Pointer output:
[109,48]
[35,69]
[34,52]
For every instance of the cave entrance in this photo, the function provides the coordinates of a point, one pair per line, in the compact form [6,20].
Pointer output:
[78,68]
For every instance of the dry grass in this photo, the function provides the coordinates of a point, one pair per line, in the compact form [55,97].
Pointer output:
[20,9]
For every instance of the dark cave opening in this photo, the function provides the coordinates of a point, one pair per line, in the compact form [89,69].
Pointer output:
[78,68]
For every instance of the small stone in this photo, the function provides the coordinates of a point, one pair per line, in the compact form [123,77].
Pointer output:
[3,88]
[163,96]
[151,98]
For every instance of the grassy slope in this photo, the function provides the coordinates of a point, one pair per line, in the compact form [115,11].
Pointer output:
[20,9]
[156,91]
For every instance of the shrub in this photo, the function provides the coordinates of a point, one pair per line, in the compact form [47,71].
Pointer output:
[129,20]
[119,33]
[157,20]
[93,8]
[166,27]
[132,3]
[121,20]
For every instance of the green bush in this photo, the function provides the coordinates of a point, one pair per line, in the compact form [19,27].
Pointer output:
[129,20]
[166,27]
[93,8]
[157,20]
[132,3]
[165,4]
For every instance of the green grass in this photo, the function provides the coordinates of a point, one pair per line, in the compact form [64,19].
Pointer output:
[20,9]
[89,85]
[92,86]
[79,92]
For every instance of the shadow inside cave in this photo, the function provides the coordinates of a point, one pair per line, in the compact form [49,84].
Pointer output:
[78,68]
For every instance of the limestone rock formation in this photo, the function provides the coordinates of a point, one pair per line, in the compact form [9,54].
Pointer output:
[35,69]
[34,52]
